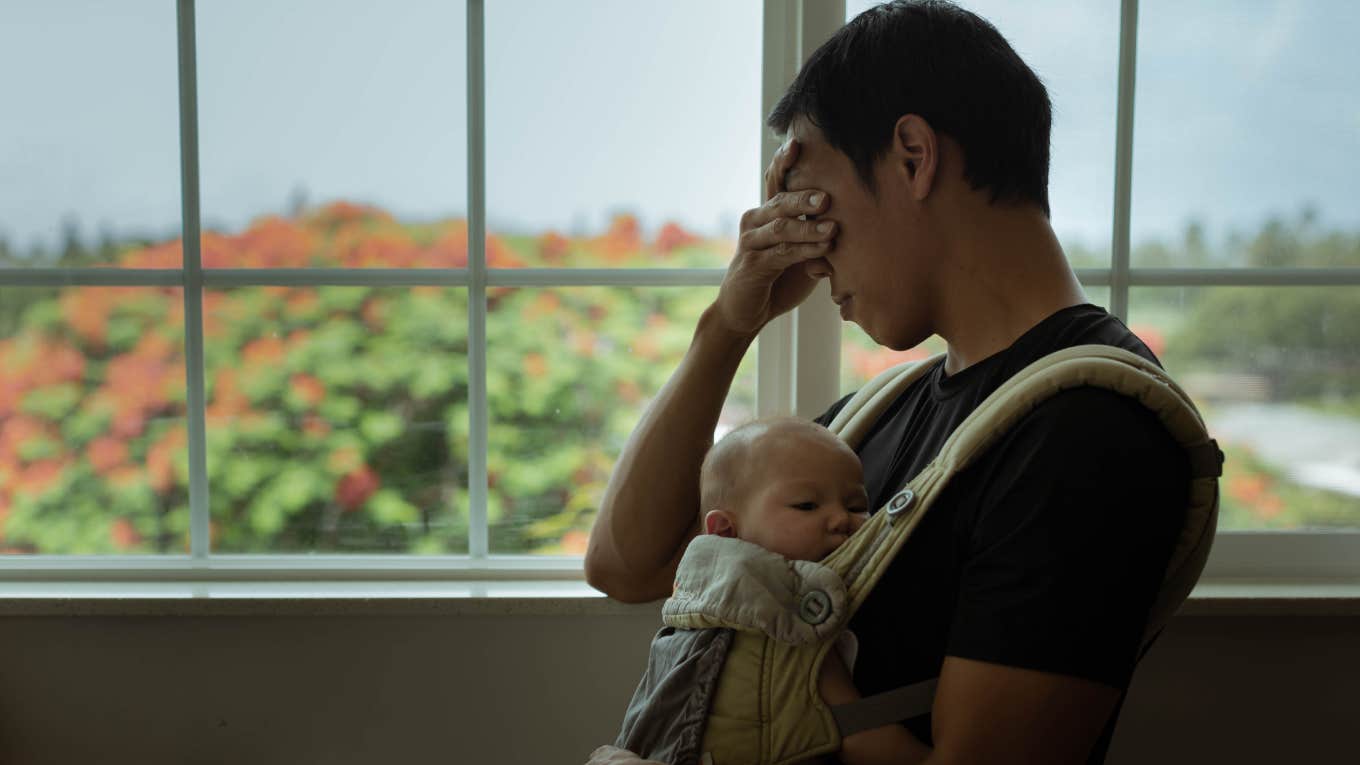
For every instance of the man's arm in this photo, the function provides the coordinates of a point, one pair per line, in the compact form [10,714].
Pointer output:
[650,510]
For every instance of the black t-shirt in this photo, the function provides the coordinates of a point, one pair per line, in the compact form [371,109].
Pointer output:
[1046,552]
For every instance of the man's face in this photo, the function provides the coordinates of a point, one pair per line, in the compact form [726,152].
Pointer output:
[807,495]
[876,266]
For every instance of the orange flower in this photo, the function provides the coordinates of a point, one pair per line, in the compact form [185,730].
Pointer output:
[302,302]
[160,465]
[574,542]
[628,391]
[106,453]
[535,365]
[1248,488]
[672,236]
[123,534]
[315,427]
[499,254]
[87,313]
[274,242]
[544,304]
[623,240]
[354,489]
[167,255]
[40,476]
[308,388]
[1151,337]
[374,313]
[553,248]
[450,249]
[264,351]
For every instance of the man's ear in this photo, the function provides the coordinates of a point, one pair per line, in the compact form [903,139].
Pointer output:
[720,522]
[915,155]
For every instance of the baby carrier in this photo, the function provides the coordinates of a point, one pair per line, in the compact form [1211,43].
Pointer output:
[732,677]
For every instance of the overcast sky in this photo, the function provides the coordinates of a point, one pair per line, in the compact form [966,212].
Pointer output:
[1244,110]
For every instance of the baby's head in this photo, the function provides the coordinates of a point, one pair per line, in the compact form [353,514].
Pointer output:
[786,484]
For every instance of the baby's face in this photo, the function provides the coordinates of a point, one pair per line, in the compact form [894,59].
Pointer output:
[807,497]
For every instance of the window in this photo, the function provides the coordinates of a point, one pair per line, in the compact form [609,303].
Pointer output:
[422,271]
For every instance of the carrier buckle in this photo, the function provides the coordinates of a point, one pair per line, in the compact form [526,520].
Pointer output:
[901,502]
[815,607]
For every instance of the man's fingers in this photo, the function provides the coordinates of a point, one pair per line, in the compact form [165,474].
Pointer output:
[787,230]
[781,256]
[785,204]
[783,159]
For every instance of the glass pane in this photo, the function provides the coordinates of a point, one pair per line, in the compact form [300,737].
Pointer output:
[338,118]
[337,419]
[1274,371]
[1226,175]
[89,144]
[862,359]
[632,128]
[93,438]
[1073,45]
[570,371]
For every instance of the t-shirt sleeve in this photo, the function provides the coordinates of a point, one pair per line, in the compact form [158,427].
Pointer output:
[1077,511]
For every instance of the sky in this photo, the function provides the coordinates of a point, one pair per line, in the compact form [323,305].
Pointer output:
[1244,110]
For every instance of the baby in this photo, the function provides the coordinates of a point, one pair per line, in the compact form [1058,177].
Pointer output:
[796,489]
[788,485]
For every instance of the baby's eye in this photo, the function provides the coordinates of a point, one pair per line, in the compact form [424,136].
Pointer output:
[805,506]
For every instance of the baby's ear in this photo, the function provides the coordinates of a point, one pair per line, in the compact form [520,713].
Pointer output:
[720,522]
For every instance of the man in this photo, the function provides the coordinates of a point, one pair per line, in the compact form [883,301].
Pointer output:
[915,179]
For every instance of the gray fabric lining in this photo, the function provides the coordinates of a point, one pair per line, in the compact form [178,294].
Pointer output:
[666,719]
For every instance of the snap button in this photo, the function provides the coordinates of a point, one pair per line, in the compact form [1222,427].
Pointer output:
[815,607]
[901,501]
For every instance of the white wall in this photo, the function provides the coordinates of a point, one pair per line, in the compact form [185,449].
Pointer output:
[545,690]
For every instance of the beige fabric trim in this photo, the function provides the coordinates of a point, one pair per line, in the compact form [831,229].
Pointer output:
[728,582]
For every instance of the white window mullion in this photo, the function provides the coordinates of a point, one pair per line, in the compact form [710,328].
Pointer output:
[199,528]
[1123,162]
[817,337]
[792,31]
[478,531]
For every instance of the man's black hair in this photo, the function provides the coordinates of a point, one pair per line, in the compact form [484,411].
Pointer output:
[945,64]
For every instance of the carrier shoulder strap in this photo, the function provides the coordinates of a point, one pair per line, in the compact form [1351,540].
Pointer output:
[865,558]
[853,421]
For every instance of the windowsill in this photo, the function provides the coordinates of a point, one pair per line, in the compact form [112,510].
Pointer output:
[529,598]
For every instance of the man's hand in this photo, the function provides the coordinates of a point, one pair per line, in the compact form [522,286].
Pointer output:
[767,276]
[612,755]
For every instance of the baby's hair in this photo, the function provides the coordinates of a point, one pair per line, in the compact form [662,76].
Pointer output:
[729,460]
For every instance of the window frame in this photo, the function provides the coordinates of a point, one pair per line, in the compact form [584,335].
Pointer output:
[792,30]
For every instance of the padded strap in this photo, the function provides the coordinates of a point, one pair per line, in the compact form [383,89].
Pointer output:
[1206,460]
[885,708]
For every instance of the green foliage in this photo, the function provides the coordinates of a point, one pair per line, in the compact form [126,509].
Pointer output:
[338,416]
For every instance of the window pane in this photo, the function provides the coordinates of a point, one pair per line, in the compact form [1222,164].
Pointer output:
[632,127]
[1274,371]
[570,371]
[337,419]
[93,455]
[1246,118]
[89,141]
[352,114]
[1073,45]
[862,359]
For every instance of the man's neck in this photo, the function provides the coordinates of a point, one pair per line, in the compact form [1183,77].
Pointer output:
[1003,274]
